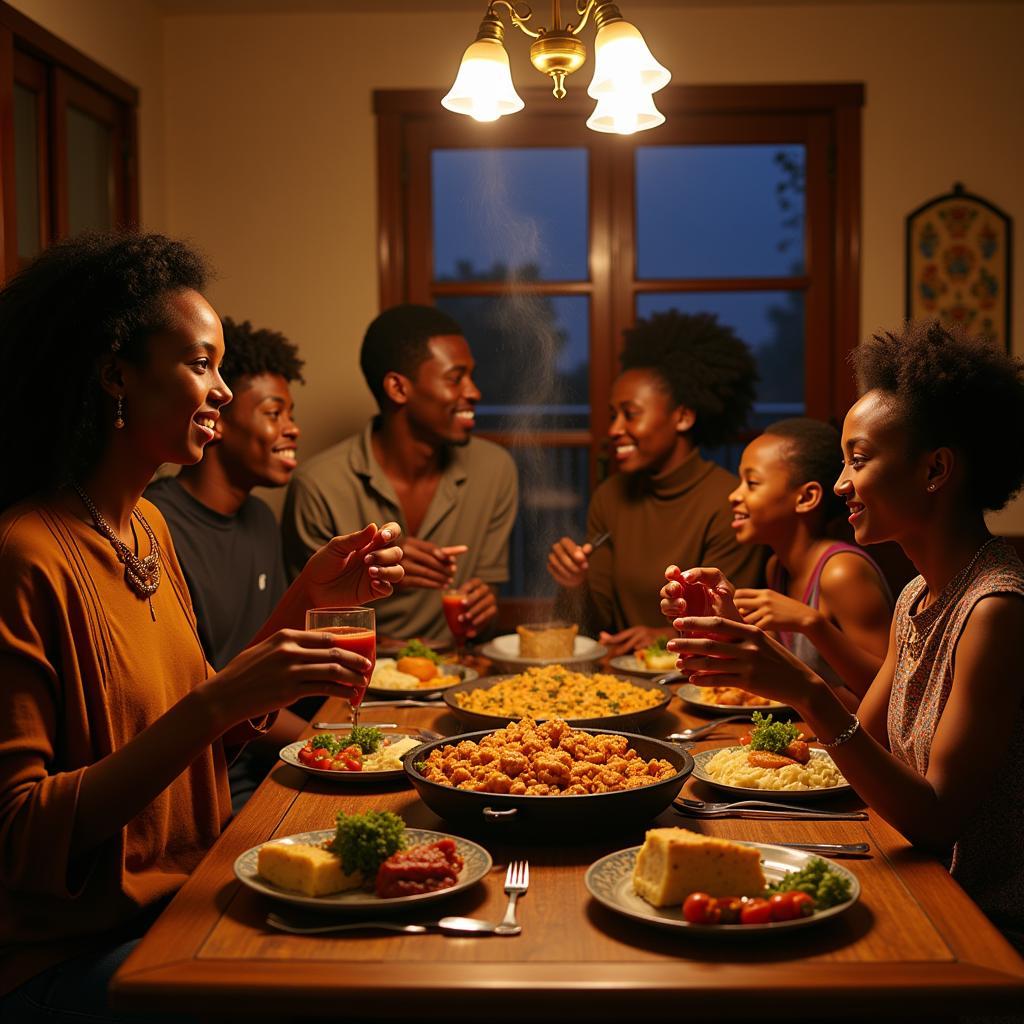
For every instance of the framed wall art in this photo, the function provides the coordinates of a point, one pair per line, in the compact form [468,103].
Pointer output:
[959,264]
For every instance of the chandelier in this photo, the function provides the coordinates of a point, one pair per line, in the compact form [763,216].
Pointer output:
[626,75]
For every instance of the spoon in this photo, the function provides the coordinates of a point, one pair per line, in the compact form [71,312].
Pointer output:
[835,849]
[702,730]
[447,925]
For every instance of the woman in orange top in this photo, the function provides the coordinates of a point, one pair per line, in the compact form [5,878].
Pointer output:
[114,731]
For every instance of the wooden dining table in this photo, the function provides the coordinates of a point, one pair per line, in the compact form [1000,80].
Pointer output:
[914,944]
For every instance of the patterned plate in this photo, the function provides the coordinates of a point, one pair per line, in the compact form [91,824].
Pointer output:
[691,695]
[610,881]
[701,759]
[290,755]
[477,864]
[452,674]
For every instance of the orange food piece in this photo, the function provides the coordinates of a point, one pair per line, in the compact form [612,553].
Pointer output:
[799,751]
[766,759]
[422,668]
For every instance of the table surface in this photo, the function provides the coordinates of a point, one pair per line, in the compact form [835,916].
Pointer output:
[915,943]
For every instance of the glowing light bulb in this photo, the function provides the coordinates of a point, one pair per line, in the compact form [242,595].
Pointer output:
[483,88]
[625,114]
[623,62]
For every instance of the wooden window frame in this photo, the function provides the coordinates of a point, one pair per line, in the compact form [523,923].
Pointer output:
[70,78]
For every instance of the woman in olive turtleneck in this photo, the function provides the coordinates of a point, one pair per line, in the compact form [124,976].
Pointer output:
[687,381]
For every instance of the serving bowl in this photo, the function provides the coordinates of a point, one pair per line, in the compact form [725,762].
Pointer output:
[553,818]
[628,719]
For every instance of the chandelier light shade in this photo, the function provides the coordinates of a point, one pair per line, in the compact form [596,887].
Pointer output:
[483,88]
[623,63]
[625,115]
[625,72]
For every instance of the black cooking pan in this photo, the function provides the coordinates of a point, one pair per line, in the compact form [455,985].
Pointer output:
[560,818]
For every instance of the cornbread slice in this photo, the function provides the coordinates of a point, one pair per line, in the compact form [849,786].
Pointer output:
[547,640]
[311,870]
[674,862]
[657,662]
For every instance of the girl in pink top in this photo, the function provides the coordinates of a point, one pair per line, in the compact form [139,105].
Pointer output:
[828,602]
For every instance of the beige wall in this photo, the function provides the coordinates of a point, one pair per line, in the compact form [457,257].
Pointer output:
[124,36]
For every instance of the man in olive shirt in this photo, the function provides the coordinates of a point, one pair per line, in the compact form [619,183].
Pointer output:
[416,463]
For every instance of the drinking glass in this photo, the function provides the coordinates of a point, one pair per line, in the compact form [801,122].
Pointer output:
[453,603]
[351,629]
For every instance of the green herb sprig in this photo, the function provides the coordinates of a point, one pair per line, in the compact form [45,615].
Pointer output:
[364,841]
[366,738]
[418,649]
[819,881]
[771,736]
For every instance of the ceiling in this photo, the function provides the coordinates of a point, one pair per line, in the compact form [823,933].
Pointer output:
[400,6]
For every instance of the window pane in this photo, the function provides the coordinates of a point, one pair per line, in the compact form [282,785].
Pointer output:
[510,213]
[771,323]
[90,181]
[719,211]
[532,355]
[26,171]
[553,494]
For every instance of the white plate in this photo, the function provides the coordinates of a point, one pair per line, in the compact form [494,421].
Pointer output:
[290,755]
[505,649]
[477,864]
[634,666]
[691,695]
[701,759]
[610,881]
[453,674]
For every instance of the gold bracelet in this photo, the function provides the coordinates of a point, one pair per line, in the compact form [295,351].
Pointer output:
[846,735]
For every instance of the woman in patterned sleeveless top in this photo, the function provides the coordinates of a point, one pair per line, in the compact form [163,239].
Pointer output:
[933,443]
[826,600]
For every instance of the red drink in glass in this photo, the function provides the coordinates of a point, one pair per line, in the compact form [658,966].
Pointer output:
[699,604]
[351,629]
[359,641]
[453,608]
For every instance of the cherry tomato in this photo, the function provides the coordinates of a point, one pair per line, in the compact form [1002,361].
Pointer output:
[354,751]
[756,911]
[803,903]
[700,908]
[729,909]
[783,908]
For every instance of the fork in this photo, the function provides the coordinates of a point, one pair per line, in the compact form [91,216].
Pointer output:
[701,730]
[517,881]
[703,808]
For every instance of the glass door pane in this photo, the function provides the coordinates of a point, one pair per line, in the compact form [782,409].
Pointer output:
[27,132]
[90,173]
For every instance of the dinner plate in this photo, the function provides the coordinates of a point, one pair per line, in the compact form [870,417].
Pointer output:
[610,881]
[505,649]
[453,673]
[632,664]
[477,864]
[690,694]
[290,755]
[701,759]
[483,720]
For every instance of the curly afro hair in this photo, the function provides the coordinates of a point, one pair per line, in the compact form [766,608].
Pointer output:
[703,366]
[251,351]
[83,299]
[954,391]
[813,449]
[398,341]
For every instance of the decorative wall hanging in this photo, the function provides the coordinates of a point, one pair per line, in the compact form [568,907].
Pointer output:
[959,262]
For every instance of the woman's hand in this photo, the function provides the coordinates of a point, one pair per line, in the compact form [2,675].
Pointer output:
[673,605]
[479,605]
[356,568]
[629,640]
[768,609]
[567,563]
[741,655]
[290,664]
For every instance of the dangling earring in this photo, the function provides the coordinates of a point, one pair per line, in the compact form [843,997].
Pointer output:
[119,413]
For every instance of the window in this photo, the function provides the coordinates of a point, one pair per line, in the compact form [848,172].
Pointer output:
[545,241]
[71,146]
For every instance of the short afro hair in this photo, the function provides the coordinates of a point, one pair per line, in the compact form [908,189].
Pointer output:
[251,351]
[703,366]
[954,391]
[81,300]
[813,450]
[397,341]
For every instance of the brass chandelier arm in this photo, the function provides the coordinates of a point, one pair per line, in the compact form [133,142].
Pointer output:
[517,19]
[585,8]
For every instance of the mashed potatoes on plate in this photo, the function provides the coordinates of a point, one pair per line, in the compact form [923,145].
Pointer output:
[731,768]
[387,677]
